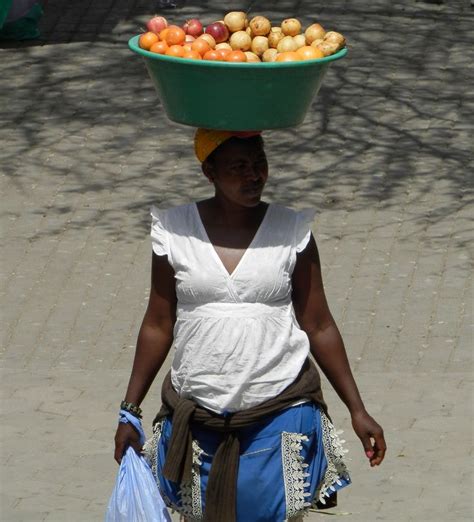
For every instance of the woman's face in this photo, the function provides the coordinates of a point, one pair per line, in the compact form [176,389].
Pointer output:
[239,171]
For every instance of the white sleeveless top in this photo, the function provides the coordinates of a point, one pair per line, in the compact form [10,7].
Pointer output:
[236,339]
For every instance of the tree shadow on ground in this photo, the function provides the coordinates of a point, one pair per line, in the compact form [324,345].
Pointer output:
[385,129]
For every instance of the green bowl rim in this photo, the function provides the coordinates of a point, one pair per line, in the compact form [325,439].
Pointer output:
[133,45]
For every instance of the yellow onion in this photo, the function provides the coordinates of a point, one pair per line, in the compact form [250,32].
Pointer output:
[270,55]
[328,48]
[276,34]
[299,40]
[317,42]
[291,27]
[287,44]
[209,39]
[314,32]
[334,37]
[260,26]
[252,57]
[235,21]
[224,45]
[241,41]
[259,45]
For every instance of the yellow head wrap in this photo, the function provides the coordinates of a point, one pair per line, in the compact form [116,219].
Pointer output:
[206,141]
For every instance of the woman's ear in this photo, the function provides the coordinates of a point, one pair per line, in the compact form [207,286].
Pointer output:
[208,170]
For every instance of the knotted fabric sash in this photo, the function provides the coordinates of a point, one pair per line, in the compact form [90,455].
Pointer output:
[222,484]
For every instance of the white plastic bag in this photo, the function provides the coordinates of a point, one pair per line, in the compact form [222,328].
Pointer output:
[136,497]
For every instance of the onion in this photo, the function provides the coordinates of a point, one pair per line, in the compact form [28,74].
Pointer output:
[314,32]
[248,30]
[209,39]
[270,55]
[274,37]
[193,27]
[300,40]
[240,41]
[328,48]
[287,44]
[260,26]
[235,21]
[156,24]
[224,45]
[189,39]
[291,27]
[259,45]
[218,31]
[317,42]
[334,37]
[252,57]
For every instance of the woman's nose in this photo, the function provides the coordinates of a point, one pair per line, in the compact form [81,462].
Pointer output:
[252,174]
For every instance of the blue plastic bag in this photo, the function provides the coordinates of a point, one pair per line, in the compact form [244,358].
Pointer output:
[136,497]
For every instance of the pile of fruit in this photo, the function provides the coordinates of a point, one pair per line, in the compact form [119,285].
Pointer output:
[237,39]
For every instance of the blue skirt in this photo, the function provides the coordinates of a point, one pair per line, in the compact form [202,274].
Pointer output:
[288,462]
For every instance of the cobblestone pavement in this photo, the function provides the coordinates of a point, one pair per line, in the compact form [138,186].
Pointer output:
[384,156]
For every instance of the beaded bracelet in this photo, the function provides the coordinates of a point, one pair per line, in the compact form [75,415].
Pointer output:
[132,408]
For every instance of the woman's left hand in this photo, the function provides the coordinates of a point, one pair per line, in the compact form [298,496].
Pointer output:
[371,435]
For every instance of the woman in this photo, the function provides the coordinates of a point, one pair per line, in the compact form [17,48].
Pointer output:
[243,434]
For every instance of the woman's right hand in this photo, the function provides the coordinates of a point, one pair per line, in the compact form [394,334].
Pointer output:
[125,436]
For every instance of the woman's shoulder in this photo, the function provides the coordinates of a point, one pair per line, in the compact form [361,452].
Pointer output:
[177,213]
[293,215]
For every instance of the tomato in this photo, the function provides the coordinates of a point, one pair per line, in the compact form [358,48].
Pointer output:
[224,53]
[146,40]
[309,53]
[201,46]
[175,50]
[212,55]
[159,48]
[236,56]
[194,55]
[289,56]
[175,35]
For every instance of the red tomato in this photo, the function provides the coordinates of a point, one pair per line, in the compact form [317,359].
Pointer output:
[175,50]
[236,56]
[146,40]
[212,55]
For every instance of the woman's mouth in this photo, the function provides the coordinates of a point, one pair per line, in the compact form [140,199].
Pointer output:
[254,189]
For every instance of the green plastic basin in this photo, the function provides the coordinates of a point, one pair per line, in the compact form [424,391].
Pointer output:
[235,96]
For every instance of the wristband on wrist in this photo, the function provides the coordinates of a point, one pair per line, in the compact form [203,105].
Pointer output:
[131,408]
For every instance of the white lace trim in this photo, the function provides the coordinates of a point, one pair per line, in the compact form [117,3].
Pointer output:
[191,502]
[334,452]
[294,474]
[190,492]
[150,448]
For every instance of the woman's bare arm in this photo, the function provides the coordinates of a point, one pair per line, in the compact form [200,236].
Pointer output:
[154,342]
[156,332]
[327,347]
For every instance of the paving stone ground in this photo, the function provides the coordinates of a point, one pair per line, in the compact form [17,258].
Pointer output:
[385,155]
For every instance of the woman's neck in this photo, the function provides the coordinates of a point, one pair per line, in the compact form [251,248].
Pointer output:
[229,213]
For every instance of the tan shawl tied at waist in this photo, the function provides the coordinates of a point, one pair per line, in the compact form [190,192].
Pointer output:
[222,483]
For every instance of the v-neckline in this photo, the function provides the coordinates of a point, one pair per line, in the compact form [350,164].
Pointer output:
[213,248]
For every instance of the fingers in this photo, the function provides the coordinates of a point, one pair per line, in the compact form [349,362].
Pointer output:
[137,447]
[380,447]
[375,451]
[125,436]
[367,444]
[119,451]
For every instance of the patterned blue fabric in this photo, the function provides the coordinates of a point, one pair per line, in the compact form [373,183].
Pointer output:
[283,465]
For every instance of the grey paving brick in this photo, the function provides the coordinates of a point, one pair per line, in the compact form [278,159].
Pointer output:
[383,156]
